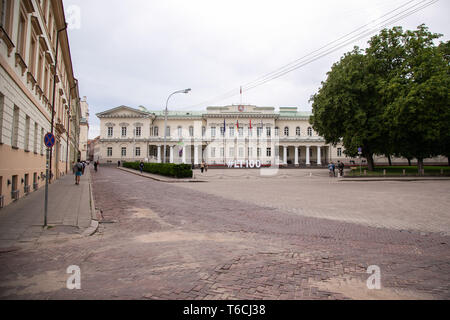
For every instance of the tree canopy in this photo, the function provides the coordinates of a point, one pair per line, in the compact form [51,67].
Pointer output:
[389,99]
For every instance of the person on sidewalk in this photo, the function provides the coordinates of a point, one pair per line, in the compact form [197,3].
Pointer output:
[141,166]
[118,163]
[95,165]
[78,171]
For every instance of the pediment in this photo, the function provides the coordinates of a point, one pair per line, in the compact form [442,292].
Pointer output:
[123,112]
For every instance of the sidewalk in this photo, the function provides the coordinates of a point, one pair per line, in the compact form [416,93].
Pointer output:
[70,211]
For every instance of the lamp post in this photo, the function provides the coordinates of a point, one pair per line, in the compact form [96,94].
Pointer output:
[165,120]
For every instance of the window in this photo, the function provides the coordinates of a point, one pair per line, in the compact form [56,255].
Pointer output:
[2,107]
[138,131]
[241,152]
[259,131]
[180,131]
[155,131]
[124,131]
[124,151]
[222,152]
[250,132]
[231,152]
[250,151]
[213,131]
[110,132]
[42,141]
[191,131]
[339,152]
[15,128]
[232,131]
[6,14]
[258,152]
[277,131]
[309,131]
[268,131]
[35,136]
[137,152]
[46,87]
[269,152]
[109,152]
[39,70]
[286,131]
[168,131]
[297,131]
[213,152]
[27,134]
[32,58]
[203,131]
[21,33]
[241,132]
[222,131]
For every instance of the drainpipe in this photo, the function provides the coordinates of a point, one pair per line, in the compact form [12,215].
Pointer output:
[68,126]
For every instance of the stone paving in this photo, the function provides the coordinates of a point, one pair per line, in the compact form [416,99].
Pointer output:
[69,214]
[167,241]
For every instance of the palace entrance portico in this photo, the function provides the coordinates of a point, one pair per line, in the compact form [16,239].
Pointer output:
[303,155]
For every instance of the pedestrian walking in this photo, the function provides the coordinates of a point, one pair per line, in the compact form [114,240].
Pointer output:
[78,171]
[141,166]
[202,167]
[334,169]
[341,167]
[330,169]
[118,163]
[206,167]
[95,165]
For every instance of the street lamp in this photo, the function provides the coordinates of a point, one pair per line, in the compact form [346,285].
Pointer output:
[165,120]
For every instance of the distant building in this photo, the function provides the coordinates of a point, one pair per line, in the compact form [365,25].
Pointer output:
[94,149]
[28,33]
[235,133]
[84,129]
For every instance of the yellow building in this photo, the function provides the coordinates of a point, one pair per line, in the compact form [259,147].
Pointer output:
[36,77]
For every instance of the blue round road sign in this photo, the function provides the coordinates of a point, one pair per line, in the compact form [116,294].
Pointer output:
[49,140]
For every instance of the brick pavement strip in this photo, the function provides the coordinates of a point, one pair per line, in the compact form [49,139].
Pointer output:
[171,242]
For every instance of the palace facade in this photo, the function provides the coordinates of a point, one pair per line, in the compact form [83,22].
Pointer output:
[217,136]
[35,70]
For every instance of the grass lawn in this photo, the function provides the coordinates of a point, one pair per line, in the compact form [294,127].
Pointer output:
[398,171]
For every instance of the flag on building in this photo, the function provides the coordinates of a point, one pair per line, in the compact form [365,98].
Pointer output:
[237,124]
[224,126]
[250,124]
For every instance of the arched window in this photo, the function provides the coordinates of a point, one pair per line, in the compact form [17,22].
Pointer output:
[309,131]
[155,131]
[277,131]
[203,131]
[286,131]
[180,131]
[297,131]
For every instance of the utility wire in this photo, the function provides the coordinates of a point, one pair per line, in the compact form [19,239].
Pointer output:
[373,25]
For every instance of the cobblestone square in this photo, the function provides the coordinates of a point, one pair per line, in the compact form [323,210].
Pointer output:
[237,235]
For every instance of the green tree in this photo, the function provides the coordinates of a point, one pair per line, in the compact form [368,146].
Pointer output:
[415,93]
[347,109]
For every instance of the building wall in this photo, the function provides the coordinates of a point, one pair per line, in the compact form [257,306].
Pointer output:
[26,83]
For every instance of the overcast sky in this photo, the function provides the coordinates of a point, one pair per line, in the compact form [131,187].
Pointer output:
[137,52]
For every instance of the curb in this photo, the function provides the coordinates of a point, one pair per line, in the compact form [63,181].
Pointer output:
[147,175]
[94,222]
[395,179]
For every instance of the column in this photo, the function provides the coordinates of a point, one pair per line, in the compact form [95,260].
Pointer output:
[307,156]
[296,156]
[171,154]
[159,154]
[195,155]
[184,154]
[284,155]
[319,156]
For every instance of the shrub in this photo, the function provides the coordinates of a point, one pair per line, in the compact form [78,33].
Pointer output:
[164,169]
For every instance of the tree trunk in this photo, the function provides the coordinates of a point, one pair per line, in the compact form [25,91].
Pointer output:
[390,160]
[448,159]
[420,165]
[409,162]
[370,163]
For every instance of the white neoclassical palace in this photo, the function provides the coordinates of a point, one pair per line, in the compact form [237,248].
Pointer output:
[217,136]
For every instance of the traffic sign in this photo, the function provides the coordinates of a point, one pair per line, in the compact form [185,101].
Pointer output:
[49,140]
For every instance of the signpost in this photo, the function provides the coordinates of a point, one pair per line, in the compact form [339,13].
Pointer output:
[49,141]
